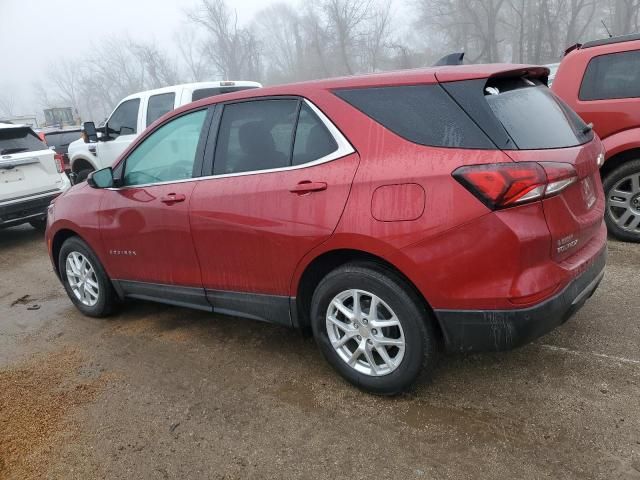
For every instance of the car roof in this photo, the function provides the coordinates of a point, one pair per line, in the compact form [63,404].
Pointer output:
[612,40]
[193,86]
[417,76]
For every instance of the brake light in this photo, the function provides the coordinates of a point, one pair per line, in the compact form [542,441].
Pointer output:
[503,185]
[59,159]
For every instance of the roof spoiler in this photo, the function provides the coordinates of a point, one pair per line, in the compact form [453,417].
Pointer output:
[572,48]
[451,59]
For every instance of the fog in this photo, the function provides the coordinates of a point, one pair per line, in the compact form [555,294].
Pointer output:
[35,34]
[89,55]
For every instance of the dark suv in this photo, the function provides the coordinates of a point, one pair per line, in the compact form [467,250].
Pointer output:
[600,80]
[389,213]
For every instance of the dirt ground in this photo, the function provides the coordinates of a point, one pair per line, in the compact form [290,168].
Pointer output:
[162,392]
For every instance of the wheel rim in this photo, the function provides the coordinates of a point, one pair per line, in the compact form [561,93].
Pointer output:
[623,203]
[365,332]
[82,279]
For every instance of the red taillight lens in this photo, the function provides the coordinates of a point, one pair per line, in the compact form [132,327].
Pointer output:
[59,159]
[502,185]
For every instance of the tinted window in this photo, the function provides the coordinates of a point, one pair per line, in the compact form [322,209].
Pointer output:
[255,135]
[159,105]
[422,114]
[313,140]
[534,117]
[16,140]
[212,92]
[612,76]
[61,139]
[124,117]
[168,154]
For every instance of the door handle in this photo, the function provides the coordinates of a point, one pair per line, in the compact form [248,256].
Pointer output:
[308,187]
[172,198]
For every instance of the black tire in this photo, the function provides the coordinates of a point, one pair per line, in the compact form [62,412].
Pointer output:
[40,224]
[392,289]
[107,299]
[611,180]
[82,175]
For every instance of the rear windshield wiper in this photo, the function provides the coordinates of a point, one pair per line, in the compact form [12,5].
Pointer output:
[7,151]
[587,128]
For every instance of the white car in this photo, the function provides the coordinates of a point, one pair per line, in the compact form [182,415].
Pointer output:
[131,116]
[30,177]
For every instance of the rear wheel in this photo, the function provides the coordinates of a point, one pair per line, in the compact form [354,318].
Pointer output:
[372,328]
[85,280]
[622,188]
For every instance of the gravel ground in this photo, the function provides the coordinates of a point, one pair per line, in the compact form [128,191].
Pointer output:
[162,392]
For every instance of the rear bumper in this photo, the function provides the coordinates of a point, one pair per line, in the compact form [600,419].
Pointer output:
[24,211]
[498,330]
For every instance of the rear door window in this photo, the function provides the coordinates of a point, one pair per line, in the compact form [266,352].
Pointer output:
[159,105]
[423,114]
[533,116]
[255,135]
[313,140]
[17,140]
[616,75]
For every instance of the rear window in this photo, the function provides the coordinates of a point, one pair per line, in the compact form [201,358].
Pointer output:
[16,140]
[616,75]
[212,92]
[423,114]
[533,116]
[61,139]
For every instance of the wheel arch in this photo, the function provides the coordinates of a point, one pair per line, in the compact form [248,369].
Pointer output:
[57,241]
[329,260]
[617,160]
[81,163]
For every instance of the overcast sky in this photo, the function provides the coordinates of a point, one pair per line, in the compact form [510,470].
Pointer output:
[35,33]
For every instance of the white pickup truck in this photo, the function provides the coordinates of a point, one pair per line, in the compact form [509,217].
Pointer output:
[132,115]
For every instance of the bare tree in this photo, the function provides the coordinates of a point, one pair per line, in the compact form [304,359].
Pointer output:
[190,47]
[233,49]
[345,17]
[7,103]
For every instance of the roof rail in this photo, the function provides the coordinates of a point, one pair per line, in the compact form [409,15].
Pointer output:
[451,59]
[609,41]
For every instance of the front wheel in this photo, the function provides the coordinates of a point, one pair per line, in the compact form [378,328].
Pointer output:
[372,328]
[622,188]
[85,280]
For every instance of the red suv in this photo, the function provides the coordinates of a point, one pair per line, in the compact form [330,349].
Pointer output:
[390,213]
[600,80]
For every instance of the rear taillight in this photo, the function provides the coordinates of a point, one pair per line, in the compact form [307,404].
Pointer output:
[59,159]
[503,185]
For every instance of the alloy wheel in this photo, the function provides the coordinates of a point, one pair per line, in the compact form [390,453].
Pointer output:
[82,279]
[365,332]
[623,203]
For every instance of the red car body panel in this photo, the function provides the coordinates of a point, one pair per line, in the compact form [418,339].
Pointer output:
[611,118]
[392,199]
[250,235]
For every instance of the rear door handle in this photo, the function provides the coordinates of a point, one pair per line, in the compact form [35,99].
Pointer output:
[308,187]
[172,198]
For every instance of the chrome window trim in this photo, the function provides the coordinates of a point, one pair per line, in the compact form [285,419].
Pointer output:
[344,148]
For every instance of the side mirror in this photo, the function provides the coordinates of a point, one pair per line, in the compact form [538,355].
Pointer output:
[90,133]
[127,131]
[101,178]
